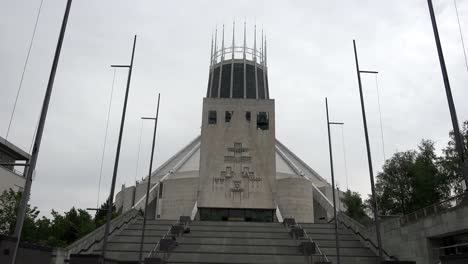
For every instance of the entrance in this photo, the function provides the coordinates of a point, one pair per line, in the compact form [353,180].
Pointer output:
[236,214]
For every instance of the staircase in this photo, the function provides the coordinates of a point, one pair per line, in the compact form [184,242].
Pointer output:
[237,243]
[352,250]
[125,246]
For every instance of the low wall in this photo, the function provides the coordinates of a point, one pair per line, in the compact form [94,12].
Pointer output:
[94,239]
[28,253]
[415,240]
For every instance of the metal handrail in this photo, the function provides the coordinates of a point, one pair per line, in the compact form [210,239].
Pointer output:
[431,209]
[13,170]
[150,254]
[316,245]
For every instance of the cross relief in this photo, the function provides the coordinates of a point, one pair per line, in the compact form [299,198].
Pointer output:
[237,177]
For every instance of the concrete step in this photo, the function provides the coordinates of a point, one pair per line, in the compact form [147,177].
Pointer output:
[222,234]
[346,237]
[234,258]
[361,251]
[113,246]
[155,221]
[318,225]
[327,231]
[235,223]
[343,243]
[355,260]
[135,232]
[135,239]
[256,229]
[148,227]
[235,241]
[123,255]
[236,249]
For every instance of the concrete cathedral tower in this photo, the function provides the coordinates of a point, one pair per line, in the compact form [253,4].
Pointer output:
[236,169]
[237,153]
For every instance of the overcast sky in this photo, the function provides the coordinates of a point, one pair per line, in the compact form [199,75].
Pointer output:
[310,57]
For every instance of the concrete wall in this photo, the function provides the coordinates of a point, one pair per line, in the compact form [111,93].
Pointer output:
[9,179]
[415,241]
[27,254]
[222,181]
[294,198]
[179,194]
[124,200]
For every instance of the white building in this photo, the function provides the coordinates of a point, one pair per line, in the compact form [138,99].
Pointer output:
[11,177]
[236,169]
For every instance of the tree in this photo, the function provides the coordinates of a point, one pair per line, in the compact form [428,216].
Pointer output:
[9,206]
[450,162]
[411,180]
[355,208]
[59,231]
[101,214]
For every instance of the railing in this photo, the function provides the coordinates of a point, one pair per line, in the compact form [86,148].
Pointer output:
[322,257]
[229,53]
[156,247]
[13,170]
[456,249]
[362,232]
[435,208]
[92,240]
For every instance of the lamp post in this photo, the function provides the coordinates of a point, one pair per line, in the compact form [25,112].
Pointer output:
[453,113]
[369,157]
[333,182]
[149,178]
[117,155]
[29,170]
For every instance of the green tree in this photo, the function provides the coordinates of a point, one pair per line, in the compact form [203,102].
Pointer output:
[9,206]
[411,180]
[450,162]
[355,207]
[101,214]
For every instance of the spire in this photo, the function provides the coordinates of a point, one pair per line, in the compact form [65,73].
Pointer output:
[254,53]
[211,51]
[265,51]
[244,40]
[233,34]
[222,47]
[215,46]
[261,49]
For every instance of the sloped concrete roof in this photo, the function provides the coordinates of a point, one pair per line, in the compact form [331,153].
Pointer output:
[188,159]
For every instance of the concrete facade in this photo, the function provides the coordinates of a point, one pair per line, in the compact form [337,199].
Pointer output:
[237,158]
[418,240]
[10,180]
[11,177]
[295,199]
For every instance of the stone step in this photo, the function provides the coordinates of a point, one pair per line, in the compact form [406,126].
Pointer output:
[343,243]
[134,232]
[117,246]
[135,239]
[222,234]
[237,249]
[235,223]
[148,227]
[360,251]
[318,237]
[257,229]
[123,255]
[234,258]
[327,231]
[318,225]
[355,260]
[155,221]
[236,241]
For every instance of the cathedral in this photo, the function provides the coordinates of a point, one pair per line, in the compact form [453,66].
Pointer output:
[236,169]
